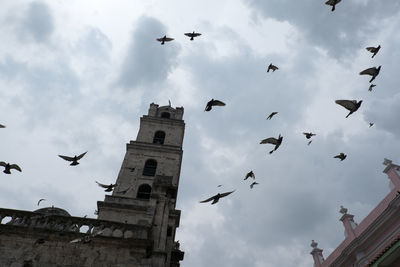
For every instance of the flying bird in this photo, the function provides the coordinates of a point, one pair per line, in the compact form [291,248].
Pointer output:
[192,35]
[272,67]
[309,135]
[40,200]
[8,167]
[2,126]
[73,159]
[373,50]
[213,102]
[371,124]
[332,3]
[341,156]
[374,71]
[217,197]
[271,115]
[164,39]
[250,174]
[351,105]
[219,185]
[274,141]
[253,184]
[371,86]
[108,188]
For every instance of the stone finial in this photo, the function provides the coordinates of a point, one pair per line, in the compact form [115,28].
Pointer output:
[343,210]
[314,244]
[387,161]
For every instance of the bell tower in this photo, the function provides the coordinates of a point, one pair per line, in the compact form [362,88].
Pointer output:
[148,181]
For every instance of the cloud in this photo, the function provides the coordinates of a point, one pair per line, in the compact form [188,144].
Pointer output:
[38,22]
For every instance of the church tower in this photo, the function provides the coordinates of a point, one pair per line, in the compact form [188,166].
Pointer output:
[148,181]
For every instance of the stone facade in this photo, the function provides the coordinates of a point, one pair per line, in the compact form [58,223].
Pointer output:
[136,225]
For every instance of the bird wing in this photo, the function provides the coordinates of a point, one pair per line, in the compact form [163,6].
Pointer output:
[338,156]
[66,158]
[217,103]
[81,156]
[2,163]
[330,2]
[167,39]
[191,34]
[226,194]
[15,166]
[369,71]
[40,200]
[160,39]
[347,104]
[2,126]
[270,140]
[371,49]
[208,199]
[103,185]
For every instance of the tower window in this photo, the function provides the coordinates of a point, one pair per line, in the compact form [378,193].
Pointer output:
[144,191]
[165,115]
[159,137]
[150,167]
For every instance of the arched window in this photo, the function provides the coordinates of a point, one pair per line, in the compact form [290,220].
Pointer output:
[150,167]
[159,137]
[144,191]
[166,115]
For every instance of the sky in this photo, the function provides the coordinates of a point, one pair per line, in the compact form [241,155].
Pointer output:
[77,76]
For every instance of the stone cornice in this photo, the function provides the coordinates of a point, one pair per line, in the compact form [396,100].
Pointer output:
[154,147]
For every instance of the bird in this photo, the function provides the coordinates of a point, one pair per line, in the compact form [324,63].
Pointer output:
[274,141]
[192,35]
[40,200]
[373,50]
[374,71]
[219,185]
[2,126]
[371,86]
[253,184]
[108,188]
[87,238]
[271,115]
[332,3]
[124,191]
[309,142]
[164,39]
[213,102]
[371,124]
[8,167]
[73,159]
[309,135]
[341,156]
[272,67]
[351,105]
[217,197]
[250,174]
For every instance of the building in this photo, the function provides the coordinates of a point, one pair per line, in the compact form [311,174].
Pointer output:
[375,241]
[136,224]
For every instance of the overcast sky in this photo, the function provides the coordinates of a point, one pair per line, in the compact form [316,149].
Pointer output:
[76,76]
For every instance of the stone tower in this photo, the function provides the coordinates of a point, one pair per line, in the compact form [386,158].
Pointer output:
[148,181]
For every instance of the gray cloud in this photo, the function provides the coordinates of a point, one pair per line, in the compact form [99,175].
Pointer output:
[38,22]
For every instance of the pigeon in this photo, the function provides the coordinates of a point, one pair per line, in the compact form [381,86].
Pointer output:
[8,167]
[309,135]
[217,197]
[374,71]
[309,142]
[274,141]
[124,191]
[73,159]
[373,50]
[271,115]
[371,86]
[332,3]
[219,185]
[108,188]
[164,39]
[2,126]
[341,156]
[87,238]
[351,105]
[192,35]
[272,67]
[40,200]
[250,174]
[213,102]
[253,184]
[371,124]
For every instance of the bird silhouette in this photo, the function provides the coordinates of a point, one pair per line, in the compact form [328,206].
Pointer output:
[253,184]
[309,135]
[213,102]
[40,200]
[108,188]
[351,105]
[2,126]
[164,39]
[192,35]
[271,115]
[217,197]
[309,143]
[272,67]
[374,71]
[373,50]
[8,167]
[371,124]
[250,174]
[371,86]
[341,156]
[332,3]
[73,159]
[275,141]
